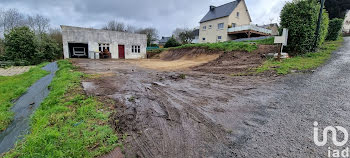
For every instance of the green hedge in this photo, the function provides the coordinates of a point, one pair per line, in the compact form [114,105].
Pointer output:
[301,17]
[334,31]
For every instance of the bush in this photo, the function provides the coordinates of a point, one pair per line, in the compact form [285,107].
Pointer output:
[171,43]
[334,31]
[23,47]
[2,48]
[49,49]
[20,44]
[301,17]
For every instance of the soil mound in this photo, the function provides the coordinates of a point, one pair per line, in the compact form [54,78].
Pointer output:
[221,62]
[237,62]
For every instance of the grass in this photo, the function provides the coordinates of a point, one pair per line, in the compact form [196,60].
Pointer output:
[12,87]
[222,46]
[304,62]
[67,123]
[267,41]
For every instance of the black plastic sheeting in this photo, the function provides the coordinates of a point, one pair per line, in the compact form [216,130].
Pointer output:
[24,107]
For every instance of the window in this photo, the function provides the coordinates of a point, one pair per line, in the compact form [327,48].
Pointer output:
[237,14]
[204,27]
[203,39]
[102,47]
[219,37]
[233,24]
[221,26]
[136,49]
[210,26]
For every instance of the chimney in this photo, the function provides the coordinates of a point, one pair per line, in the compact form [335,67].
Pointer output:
[212,8]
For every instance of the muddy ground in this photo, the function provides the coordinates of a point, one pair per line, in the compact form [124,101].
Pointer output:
[179,113]
[187,113]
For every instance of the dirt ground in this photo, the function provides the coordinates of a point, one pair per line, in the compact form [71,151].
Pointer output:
[168,109]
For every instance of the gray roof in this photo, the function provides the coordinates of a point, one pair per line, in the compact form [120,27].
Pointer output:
[221,11]
[164,39]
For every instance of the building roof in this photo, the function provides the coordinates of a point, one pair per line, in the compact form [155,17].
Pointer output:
[220,11]
[164,39]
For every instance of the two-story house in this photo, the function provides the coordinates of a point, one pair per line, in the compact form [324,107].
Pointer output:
[228,22]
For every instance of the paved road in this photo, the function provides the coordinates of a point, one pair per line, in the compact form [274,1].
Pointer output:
[323,96]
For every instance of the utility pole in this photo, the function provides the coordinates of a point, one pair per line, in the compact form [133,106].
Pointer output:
[318,25]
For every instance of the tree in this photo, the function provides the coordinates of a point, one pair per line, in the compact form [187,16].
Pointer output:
[152,34]
[114,25]
[177,32]
[301,17]
[183,35]
[171,43]
[10,19]
[49,49]
[2,47]
[337,8]
[335,26]
[20,44]
[186,37]
[38,23]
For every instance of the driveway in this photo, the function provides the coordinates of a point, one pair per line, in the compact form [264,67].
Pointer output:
[195,114]
[322,96]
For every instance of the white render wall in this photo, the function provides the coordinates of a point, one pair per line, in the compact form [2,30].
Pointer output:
[93,37]
[346,25]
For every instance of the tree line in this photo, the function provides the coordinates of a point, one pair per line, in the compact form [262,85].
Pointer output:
[180,35]
[28,39]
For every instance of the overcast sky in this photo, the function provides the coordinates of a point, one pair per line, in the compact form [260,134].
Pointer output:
[165,15]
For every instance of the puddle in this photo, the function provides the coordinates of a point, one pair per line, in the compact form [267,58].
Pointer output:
[24,107]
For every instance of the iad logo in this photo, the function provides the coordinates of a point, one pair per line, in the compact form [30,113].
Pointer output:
[333,131]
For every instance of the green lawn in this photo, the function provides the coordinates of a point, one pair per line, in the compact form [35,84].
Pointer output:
[304,62]
[12,88]
[67,123]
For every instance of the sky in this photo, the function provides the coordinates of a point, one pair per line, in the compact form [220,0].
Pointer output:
[164,15]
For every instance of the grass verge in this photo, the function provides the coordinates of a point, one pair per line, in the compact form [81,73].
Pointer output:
[67,123]
[220,46]
[303,62]
[12,87]
[267,41]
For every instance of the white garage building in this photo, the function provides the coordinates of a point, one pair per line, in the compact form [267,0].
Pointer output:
[83,42]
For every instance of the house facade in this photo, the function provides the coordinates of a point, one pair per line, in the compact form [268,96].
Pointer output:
[214,25]
[346,25]
[228,22]
[82,42]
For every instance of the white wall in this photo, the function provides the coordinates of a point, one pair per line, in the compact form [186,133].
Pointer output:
[93,37]
[346,25]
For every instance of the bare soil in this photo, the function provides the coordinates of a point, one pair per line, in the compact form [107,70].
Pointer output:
[180,112]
